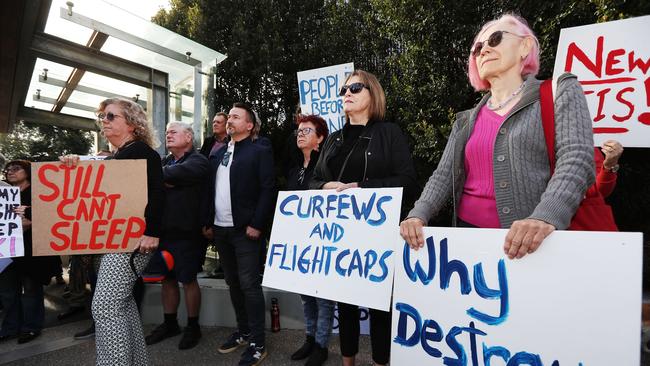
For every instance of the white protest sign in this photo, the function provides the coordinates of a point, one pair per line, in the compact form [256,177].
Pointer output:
[319,93]
[612,62]
[11,226]
[336,246]
[576,301]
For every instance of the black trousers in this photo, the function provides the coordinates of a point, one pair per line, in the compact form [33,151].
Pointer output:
[380,323]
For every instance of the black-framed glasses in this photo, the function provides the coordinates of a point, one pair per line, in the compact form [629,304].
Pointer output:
[493,40]
[12,169]
[110,116]
[304,131]
[354,88]
[226,158]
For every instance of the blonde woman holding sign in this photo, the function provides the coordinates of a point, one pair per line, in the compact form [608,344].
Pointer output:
[495,167]
[118,336]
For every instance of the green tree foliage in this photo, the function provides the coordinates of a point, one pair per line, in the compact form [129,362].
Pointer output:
[417,48]
[43,143]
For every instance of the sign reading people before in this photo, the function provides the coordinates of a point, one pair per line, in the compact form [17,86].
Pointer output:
[95,207]
[319,93]
[11,226]
[336,246]
[574,302]
[612,62]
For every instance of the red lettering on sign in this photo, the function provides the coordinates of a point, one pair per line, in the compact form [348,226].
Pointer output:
[131,231]
[93,244]
[65,241]
[575,51]
[113,231]
[637,63]
[611,61]
[645,117]
[601,103]
[630,106]
[47,183]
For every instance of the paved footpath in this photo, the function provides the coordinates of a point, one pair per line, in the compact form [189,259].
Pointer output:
[57,347]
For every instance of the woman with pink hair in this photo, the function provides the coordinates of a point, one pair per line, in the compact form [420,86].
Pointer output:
[495,167]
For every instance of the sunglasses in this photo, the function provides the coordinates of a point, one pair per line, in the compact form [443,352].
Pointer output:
[354,88]
[493,40]
[304,131]
[108,116]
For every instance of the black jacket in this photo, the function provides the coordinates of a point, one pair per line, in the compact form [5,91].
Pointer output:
[155,191]
[293,171]
[252,184]
[184,190]
[388,162]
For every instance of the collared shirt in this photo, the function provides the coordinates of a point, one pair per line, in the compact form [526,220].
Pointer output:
[222,201]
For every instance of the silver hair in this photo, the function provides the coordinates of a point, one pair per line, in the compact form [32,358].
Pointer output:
[186,127]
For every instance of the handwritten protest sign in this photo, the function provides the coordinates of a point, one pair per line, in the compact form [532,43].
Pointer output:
[337,246]
[95,207]
[576,301]
[612,62]
[319,93]
[11,227]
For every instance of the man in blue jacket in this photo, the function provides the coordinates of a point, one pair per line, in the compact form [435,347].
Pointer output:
[242,183]
[184,173]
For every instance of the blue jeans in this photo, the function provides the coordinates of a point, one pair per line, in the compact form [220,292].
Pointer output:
[22,298]
[241,262]
[318,318]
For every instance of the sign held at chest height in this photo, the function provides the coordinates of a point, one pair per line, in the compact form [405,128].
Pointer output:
[459,301]
[94,207]
[337,246]
[11,228]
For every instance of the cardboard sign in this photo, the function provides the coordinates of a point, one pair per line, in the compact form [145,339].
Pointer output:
[460,301]
[95,207]
[336,246]
[11,226]
[319,93]
[612,62]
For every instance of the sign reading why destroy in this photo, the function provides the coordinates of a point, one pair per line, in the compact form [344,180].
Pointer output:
[95,207]
[612,62]
[574,302]
[336,246]
[11,228]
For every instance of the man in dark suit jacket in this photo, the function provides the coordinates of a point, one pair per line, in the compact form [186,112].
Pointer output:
[242,183]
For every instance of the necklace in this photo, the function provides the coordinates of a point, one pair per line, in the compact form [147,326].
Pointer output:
[510,98]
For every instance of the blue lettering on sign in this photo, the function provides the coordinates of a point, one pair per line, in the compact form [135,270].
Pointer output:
[341,206]
[318,259]
[449,267]
[324,87]
[333,232]
[429,335]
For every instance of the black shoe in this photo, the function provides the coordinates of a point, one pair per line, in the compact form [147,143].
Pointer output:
[85,334]
[253,356]
[235,341]
[318,357]
[7,337]
[161,332]
[27,337]
[304,351]
[73,310]
[191,337]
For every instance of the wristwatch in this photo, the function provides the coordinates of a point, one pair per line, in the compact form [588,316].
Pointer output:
[613,169]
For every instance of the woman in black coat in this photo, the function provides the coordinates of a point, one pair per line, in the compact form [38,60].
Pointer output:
[367,153]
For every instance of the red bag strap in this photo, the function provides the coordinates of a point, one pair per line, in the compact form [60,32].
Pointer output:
[548,119]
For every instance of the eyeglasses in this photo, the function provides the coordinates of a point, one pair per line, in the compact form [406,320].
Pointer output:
[354,88]
[226,158]
[304,131]
[108,116]
[493,40]
[12,169]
